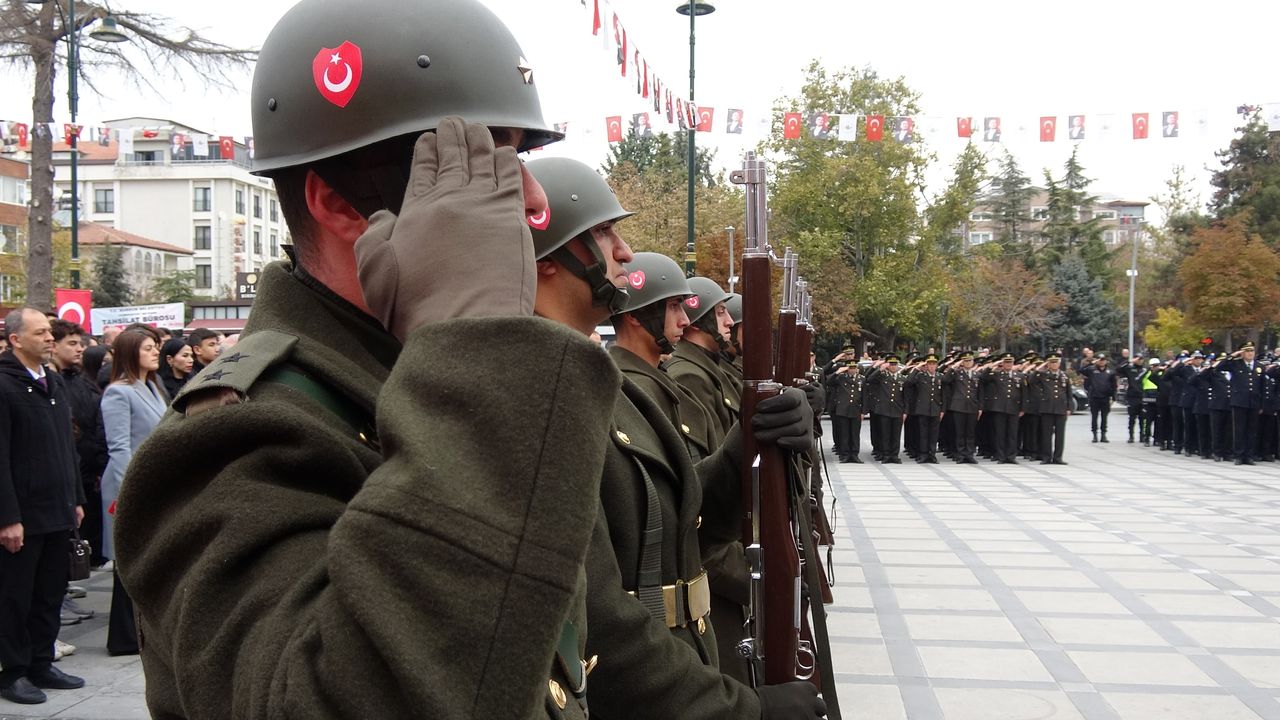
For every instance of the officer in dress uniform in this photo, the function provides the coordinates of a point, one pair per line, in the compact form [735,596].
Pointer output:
[648,595]
[845,384]
[910,433]
[354,541]
[1203,392]
[1268,433]
[1185,370]
[1029,423]
[1002,399]
[1219,399]
[1244,374]
[1055,405]
[964,405]
[927,406]
[885,386]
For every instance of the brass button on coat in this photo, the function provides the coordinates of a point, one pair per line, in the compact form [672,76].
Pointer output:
[626,439]
[558,694]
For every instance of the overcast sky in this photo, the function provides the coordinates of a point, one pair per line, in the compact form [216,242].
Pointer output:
[1015,59]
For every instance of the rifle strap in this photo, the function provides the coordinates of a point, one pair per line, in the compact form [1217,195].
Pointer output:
[649,580]
[826,472]
[818,610]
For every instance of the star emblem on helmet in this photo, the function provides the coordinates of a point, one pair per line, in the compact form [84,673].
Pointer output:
[525,71]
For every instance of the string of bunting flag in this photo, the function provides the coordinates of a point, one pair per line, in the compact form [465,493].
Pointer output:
[17,135]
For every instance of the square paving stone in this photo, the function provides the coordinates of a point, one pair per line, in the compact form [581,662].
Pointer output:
[930,576]
[1004,704]
[1264,636]
[1159,580]
[1045,579]
[1101,631]
[1186,604]
[1143,706]
[1129,668]
[983,664]
[1260,670]
[962,628]
[1086,603]
[927,599]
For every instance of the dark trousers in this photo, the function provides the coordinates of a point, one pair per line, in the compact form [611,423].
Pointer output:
[1190,432]
[1221,432]
[1053,429]
[1135,414]
[927,439]
[848,435]
[1004,435]
[947,435]
[911,436]
[1266,435]
[32,584]
[122,629]
[1204,434]
[91,526]
[1029,435]
[1099,407]
[1148,421]
[965,426]
[890,434]
[877,444]
[984,436]
[1244,422]
[1174,433]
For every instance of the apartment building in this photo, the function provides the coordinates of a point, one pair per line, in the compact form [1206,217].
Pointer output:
[14,175]
[1121,220]
[208,204]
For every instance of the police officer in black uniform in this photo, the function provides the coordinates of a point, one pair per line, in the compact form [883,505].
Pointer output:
[1244,373]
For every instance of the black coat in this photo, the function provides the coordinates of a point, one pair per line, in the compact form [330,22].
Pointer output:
[883,393]
[1245,381]
[1001,391]
[1054,391]
[1131,373]
[1219,389]
[845,394]
[1183,393]
[964,390]
[1100,382]
[927,398]
[86,414]
[39,470]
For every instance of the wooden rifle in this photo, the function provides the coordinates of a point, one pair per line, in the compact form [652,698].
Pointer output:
[771,533]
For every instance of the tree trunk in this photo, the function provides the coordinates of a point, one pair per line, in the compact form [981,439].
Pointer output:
[1004,342]
[40,219]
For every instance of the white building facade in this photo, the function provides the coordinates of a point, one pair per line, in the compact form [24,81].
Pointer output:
[210,204]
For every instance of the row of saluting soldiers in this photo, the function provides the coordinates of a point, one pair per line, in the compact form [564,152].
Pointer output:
[1222,407]
[993,406]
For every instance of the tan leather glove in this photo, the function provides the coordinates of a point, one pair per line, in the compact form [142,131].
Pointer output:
[461,246]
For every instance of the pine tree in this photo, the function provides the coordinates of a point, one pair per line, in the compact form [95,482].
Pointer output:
[1088,317]
[1250,180]
[1011,202]
[110,288]
[1067,229]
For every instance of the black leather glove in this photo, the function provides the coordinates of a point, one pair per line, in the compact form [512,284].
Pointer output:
[785,420]
[816,396]
[791,701]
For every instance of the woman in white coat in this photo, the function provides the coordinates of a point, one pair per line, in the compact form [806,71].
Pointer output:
[132,406]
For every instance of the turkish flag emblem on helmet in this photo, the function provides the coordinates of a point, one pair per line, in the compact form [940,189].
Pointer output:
[636,279]
[337,72]
[692,301]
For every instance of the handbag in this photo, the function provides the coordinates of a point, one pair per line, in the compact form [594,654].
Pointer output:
[78,567]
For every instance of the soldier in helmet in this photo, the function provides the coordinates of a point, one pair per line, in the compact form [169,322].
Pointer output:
[697,362]
[354,542]
[733,353]
[648,581]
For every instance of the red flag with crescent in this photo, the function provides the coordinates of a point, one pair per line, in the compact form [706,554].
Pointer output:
[705,115]
[1140,126]
[227,146]
[74,305]
[1048,128]
[20,129]
[614,123]
[875,128]
[964,127]
[620,40]
[595,19]
[337,72]
[791,126]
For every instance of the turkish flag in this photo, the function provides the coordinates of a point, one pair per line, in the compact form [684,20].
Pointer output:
[964,127]
[705,115]
[595,19]
[791,126]
[614,123]
[337,72]
[74,306]
[620,39]
[645,92]
[150,133]
[875,128]
[70,132]
[20,129]
[1048,128]
[226,147]
[1140,126]
[671,114]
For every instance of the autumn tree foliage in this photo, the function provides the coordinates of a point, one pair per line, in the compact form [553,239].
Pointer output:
[1232,281]
[1004,298]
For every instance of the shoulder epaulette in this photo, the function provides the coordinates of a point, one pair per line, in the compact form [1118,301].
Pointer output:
[238,368]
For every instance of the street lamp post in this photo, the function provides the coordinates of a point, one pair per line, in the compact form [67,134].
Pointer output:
[693,9]
[733,279]
[1132,272]
[107,32]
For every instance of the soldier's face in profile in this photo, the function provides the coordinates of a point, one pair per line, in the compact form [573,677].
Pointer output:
[676,320]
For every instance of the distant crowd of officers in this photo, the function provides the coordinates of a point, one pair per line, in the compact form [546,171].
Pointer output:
[1217,406]
[964,405]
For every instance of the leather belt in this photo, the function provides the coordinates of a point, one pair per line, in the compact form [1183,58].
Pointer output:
[686,602]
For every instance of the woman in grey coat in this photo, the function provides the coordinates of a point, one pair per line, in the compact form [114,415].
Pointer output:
[132,406]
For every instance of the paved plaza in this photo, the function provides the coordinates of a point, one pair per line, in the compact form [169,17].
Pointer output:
[1131,584]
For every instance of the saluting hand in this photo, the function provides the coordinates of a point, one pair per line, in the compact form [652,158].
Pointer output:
[11,537]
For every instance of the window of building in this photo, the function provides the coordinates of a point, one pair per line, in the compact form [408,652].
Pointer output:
[146,157]
[1108,237]
[203,200]
[204,277]
[978,238]
[257,205]
[275,211]
[137,261]
[13,191]
[257,242]
[275,246]
[1105,214]
[239,201]
[1039,212]
[980,216]
[104,200]
[203,238]
[8,287]
[148,264]
[9,239]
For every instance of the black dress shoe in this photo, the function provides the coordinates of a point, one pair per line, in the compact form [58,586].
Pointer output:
[1059,462]
[894,460]
[55,679]
[1249,461]
[23,693]
[855,460]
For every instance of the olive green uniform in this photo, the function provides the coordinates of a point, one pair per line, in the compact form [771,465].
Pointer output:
[296,563]
[649,667]
[702,373]
[699,428]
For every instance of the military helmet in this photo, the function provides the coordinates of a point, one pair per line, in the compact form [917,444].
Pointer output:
[705,294]
[334,77]
[578,199]
[734,306]
[653,277]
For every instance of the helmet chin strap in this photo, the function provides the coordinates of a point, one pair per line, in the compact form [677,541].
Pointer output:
[603,292]
[653,318]
[711,326]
